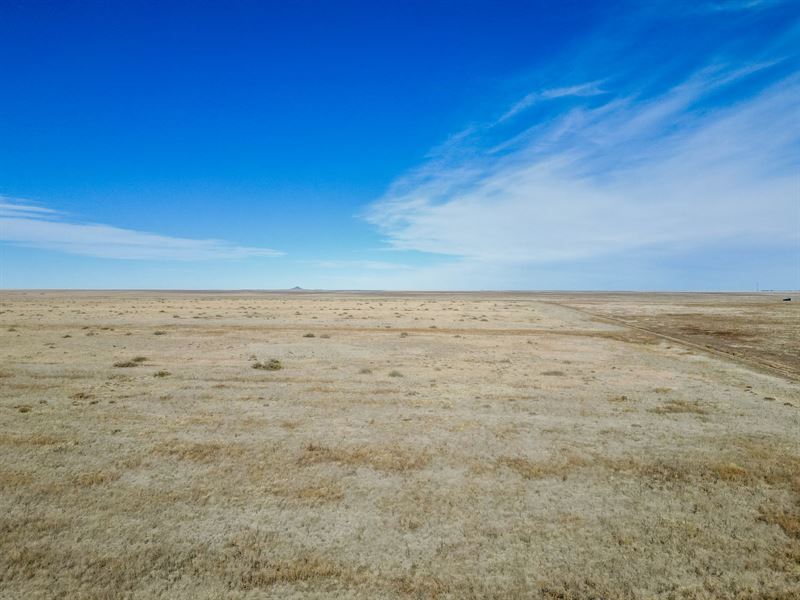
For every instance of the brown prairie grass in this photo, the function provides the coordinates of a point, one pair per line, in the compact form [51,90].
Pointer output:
[728,471]
[753,465]
[674,407]
[457,481]
[577,587]
[9,479]
[540,469]
[95,478]
[267,574]
[250,564]
[30,440]
[619,398]
[776,469]
[320,491]
[787,519]
[199,452]
[380,458]
[423,587]
[242,565]
[322,389]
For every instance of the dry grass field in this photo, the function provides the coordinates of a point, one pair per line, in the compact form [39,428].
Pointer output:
[343,445]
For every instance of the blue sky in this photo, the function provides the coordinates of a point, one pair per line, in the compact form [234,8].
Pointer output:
[400,145]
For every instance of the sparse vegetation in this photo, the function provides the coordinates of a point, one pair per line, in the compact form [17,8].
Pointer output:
[381,458]
[200,452]
[272,364]
[95,478]
[474,477]
[787,519]
[554,467]
[134,362]
[679,407]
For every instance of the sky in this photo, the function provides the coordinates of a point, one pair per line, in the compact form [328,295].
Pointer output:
[425,145]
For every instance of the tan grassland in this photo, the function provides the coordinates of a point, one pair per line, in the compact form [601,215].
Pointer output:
[368,445]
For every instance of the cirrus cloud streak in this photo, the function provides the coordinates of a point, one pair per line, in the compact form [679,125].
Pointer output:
[25,224]
[613,178]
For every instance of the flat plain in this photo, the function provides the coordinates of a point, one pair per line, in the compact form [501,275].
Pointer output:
[377,445]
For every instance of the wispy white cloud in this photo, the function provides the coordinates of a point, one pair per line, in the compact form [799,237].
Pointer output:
[736,5]
[11,209]
[669,171]
[580,91]
[26,224]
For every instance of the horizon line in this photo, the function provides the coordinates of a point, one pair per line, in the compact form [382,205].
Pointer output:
[298,290]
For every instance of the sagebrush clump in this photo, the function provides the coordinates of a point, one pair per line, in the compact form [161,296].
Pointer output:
[272,364]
